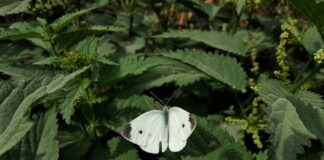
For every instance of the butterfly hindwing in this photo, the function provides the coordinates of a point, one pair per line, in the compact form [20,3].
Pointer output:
[149,131]
[181,125]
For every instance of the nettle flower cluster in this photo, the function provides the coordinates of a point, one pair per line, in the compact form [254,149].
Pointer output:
[289,30]
[319,56]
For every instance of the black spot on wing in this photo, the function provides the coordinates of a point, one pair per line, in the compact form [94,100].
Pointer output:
[140,131]
[183,125]
[192,122]
[127,131]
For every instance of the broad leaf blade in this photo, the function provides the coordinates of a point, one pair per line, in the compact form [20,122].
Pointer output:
[272,90]
[68,39]
[63,21]
[19,123]
[312,40]
[76,91]
[88,50]
[40,142]
[48,146]
[73,145]
[223,41]
[290,133]
[309,115]
[181,75]
[121,149]
[315,100]
[25,71]
[16,34]
[221,68]
[129,66]
[14,7]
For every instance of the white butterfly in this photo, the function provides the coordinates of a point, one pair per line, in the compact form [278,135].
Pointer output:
[155,130]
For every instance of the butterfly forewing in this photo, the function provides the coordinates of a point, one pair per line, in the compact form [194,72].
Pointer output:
[149,131]
[181,125]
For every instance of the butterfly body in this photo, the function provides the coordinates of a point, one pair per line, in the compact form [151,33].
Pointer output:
[156,130]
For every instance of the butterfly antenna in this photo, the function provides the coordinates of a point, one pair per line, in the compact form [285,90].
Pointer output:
[158,98]
[172,96]
[148,102]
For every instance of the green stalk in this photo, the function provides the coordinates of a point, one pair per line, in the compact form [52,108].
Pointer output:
[305,79]
[299,76]
[237,22]
[52,45]
[240,105]
[260,116]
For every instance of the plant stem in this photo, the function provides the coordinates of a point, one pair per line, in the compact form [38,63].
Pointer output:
[52,45]
[237,23]
[246,103]
[303,70]
[240,105]
[260,116]
[305,79]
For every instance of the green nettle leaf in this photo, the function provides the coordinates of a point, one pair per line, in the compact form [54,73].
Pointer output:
[219,67]
[25,71]
[309,115]
[40,142]
[255,39]
[272,90]
[88,49]
[210,9]
[223,41]
[63,21]
[261,155]
[311,98]
[136,44]
[30,31]
[130,65]
[75,92]
[69,38]
[240,5]
[121,149]
[16,34]
[211,142]
[48,145]
[312,40]
[312,9]
[49,60]
[20,100]
[290,133]
[181,75]
[15,52]
[226,152]
[131,155]
[8,7]
[73,145]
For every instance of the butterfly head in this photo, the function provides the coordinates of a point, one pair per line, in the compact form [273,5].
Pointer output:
[165,108]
